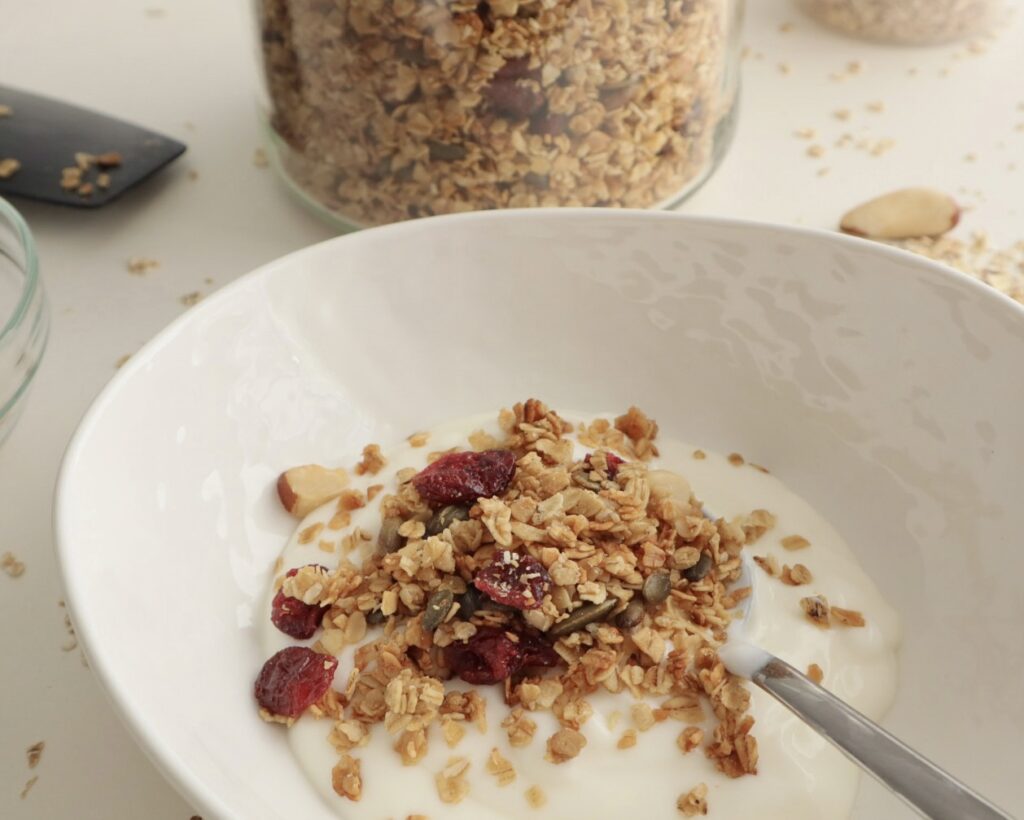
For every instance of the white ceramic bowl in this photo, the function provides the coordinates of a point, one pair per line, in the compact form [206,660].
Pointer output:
[883,388]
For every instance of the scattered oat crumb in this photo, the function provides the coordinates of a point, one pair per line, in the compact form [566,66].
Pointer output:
[694,802]
[11,565]
[628,739]
[816,150]
[736,460]
[373,491]
[122,361]
[815,673]
[9,166]
[192,299]
[876,106]
[141,265]
[786,27]
[6,111]
[768,564]
[109,159]
[759,467]
[346,778]
[795,542]
[451,780]
[418,439]
[842,114]
[816,609]
[785,68]
[689,739]
[193,174]
[85,189]
[84,160]
[564,745]
[372,461]
[535,797]
[501,767]
[71,644]
[822,172]
[806,133]
[643,716]
[155,12]
[854,67]
[970,157]
[102,181]
[34,753]
[28,786]
[699,455]
[259,158]
[796,576]
[847,617]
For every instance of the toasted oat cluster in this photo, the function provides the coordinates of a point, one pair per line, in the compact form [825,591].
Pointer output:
[397,109]
[572,577]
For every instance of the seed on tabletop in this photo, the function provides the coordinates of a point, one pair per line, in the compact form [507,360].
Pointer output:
[141,265]
[11,565]
[192,299]
[34,753]
[9,166]
[904,214]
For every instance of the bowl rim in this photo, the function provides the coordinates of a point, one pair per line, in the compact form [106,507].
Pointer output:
[11,215]
[167,760]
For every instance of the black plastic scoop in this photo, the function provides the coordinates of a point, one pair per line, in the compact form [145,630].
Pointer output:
[42,140]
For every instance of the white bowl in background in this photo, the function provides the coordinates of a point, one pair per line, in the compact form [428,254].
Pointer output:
[883,388]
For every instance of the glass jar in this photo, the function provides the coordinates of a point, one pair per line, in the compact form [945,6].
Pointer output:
[24,320]
[911,22]
[383,110]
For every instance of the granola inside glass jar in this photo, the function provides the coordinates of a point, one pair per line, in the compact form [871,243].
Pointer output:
[383,110]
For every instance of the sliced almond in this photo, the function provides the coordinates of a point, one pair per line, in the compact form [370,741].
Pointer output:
[909,213]
[303,489]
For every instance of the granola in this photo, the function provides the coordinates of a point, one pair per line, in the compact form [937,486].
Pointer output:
[525,590]
[384,111]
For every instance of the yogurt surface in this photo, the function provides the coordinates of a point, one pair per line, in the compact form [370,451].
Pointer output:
[800,776]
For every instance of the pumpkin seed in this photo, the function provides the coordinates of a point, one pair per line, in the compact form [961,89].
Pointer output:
[656,588]
[375,618]
[631,616]
[582,477]
[586,614]
[469,602]
[445,517]
[389,539]
[698,570]
[437,608]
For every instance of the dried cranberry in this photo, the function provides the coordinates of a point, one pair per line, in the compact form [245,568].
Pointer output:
[509,93]
[488,657]
[613,462]
[294,679]
[462,478]
[292,616]
[515,580]
[537,651]
[493,654]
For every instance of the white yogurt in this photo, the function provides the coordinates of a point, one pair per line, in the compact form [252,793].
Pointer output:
[800,776]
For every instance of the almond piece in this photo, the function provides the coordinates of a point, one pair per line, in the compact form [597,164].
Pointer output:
[303,489]
[909,213]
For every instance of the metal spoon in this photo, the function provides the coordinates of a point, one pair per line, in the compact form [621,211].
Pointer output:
[923,786]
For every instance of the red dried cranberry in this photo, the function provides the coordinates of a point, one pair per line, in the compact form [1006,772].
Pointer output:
[493,654]
[294,679]
[292,616]
[515,580]
[613,462]
[462,478]
[507,93]
[537,651]
[488,657]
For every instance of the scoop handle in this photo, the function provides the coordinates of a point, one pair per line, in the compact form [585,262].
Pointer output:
[923,785]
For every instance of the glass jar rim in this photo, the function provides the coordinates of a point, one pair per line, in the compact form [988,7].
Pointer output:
[9,214]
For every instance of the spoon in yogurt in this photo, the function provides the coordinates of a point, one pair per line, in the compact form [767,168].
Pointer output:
[920,783]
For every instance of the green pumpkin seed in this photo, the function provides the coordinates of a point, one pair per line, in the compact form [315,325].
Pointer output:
[631,616]
[583,478]
[437,608]
[698,570]
[389,539]
[445,517]
[656,588]
[469,602]
[586,614]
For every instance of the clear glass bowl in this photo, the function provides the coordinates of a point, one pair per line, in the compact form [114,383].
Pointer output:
[379,112]
[24,321]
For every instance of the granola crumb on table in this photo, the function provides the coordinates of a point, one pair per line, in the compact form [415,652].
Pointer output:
[525,588]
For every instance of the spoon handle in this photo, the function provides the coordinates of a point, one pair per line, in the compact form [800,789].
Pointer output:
[922,784]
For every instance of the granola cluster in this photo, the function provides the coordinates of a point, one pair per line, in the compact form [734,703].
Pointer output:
[623,586]
[387,110]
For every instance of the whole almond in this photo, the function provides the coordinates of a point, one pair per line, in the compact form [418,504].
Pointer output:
[303,489]
[909,213]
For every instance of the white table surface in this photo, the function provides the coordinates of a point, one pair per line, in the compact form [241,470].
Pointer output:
[190,71]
